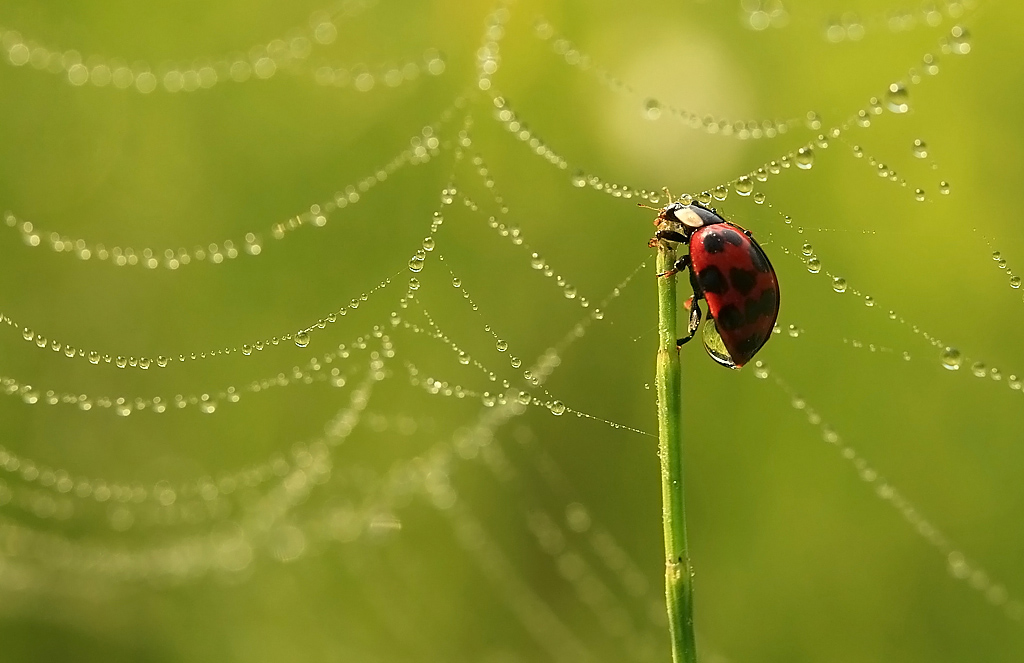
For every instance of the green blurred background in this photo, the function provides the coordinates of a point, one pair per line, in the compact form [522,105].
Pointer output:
[442,532]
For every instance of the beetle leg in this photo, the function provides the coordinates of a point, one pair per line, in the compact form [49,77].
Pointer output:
[691,329]
[679,266]
[668,235]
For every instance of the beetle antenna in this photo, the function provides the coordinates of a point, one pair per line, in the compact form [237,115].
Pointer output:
[656,209]
[668,193]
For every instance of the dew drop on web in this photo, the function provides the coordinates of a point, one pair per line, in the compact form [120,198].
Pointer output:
[951,359]
[897,99]
[804,158]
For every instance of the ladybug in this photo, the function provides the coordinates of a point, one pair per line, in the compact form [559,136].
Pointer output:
[730,271]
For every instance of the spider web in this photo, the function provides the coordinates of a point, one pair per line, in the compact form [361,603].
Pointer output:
[413,417]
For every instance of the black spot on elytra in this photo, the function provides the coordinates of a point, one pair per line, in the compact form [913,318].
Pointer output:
[763,305]
[758,259]
[732,237]
[743,280]
[712,280]
[730,318]
[713,242]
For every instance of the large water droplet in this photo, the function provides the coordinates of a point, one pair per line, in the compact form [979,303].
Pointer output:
[501,345]
[804,158]
[959,40]
[951,359]
[557,408]
[652,109]
[744,186]
[715,346]
[920,149]
[302,338]
[839,284]
[897,99]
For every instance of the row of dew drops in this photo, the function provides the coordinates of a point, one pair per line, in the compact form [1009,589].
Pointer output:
[261,62]
[422,148]
[188,502]
[959,566]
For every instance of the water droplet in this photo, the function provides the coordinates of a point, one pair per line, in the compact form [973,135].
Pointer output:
[761,370]
[813,120]
[579,179]
[515,361]
[501,345]
[978,369]
[415,264]
[464,358]
[794,331]
[524,398]
[488,399]
[813,265]
[652,109]
[759,198]
[94,357]
[807,249]
[919,195]
[208,407]
[959,40]
[536,261]
[557,408]
[920,149]
[804,158]
[1014,281]
[414,283]
[714,344]
[302,338]
[944,188]
[839,284]
[744,186]
[951,359]
[246,349]
[428,243]
[897,99]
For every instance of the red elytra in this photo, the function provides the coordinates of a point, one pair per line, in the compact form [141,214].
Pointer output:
[730,271]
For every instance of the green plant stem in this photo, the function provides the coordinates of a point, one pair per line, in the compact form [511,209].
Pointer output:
[678,571]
